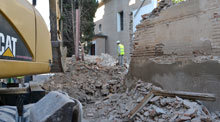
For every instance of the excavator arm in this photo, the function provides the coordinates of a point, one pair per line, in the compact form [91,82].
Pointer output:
[58,51]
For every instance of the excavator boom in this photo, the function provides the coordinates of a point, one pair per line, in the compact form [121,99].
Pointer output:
[58,51]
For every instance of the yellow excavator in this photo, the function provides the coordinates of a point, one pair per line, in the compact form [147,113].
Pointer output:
[28,48]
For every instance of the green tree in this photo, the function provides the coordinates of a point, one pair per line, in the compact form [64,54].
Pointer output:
[66,17]
[88,9]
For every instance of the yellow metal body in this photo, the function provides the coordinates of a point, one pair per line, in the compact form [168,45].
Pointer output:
[31,27]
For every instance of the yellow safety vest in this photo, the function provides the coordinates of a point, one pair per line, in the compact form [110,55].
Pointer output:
[20,77]
[122,49]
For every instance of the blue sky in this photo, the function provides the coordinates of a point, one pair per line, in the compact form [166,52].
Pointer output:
[144,10]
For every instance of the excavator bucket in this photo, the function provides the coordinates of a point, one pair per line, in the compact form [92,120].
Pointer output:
[58,51]
[54,107]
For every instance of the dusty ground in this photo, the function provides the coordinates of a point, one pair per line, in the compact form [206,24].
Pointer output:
[100,87]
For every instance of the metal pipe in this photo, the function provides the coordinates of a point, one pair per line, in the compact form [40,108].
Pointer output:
[77,34]
[77,29]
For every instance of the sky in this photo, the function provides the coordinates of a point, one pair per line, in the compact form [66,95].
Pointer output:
[43,8]
[144,10]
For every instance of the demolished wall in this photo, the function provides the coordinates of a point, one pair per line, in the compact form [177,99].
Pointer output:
[178,49]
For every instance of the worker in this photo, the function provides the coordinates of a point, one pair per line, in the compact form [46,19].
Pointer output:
[20,80]
[121,52]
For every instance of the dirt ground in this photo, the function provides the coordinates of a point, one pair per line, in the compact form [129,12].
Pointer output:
[101,87]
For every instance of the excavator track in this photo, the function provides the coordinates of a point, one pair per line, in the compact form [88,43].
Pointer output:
[10,114]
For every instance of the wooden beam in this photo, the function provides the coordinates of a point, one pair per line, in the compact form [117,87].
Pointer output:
[143,102]
[186,95]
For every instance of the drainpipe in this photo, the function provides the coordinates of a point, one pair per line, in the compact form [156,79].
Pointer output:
[77,30]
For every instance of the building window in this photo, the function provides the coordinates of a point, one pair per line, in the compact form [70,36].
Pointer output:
[100,28]
[120,21]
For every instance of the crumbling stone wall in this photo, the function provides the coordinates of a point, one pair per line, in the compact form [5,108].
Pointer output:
[178,48]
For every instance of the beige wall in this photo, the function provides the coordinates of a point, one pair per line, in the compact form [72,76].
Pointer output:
[109,23]
[100,46]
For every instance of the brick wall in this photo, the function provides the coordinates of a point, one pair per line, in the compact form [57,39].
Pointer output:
[179,48]
[191,27]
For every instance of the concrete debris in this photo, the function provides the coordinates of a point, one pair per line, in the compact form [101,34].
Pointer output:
[103,60]
[159,110]
[190,112]
[146,114]
[155,98]
[102,92]
[90,114]
[173,118]
[183,118]
[139,99]
[143,102]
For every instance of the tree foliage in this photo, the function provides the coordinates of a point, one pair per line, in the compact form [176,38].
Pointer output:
[66,17]
[88,9]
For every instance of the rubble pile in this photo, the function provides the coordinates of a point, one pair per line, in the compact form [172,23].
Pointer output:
[174,109]
[89,80]
[99,86]
[116,107]
[103,60]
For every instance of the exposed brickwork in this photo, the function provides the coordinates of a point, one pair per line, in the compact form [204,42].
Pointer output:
[178,48]
[179,33]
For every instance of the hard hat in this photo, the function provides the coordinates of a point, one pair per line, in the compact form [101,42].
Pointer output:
[118,41]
